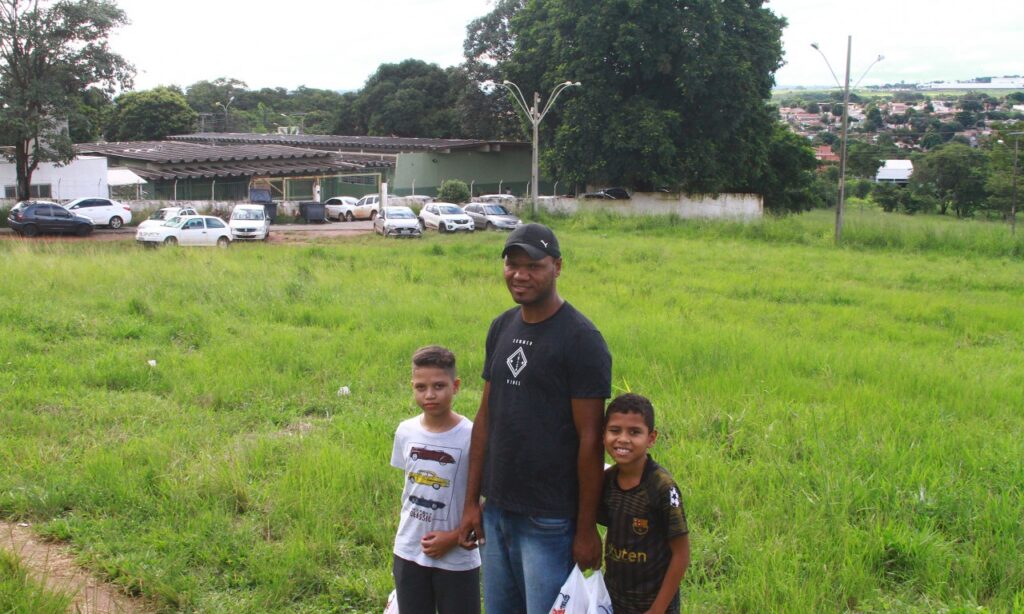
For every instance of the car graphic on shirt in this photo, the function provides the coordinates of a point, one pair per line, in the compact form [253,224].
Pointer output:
[434,455]
[429,478]
[420,501]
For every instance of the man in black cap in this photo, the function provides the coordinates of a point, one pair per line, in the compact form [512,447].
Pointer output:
[536,453]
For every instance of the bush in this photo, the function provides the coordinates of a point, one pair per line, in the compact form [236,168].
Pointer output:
[453,191]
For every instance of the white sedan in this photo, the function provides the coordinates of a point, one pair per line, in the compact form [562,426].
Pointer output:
[187,230]
[336,206]
[102,211]
[445,217]
[165,214]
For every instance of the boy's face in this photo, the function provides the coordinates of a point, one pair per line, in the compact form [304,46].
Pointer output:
[627,439]
[434,390]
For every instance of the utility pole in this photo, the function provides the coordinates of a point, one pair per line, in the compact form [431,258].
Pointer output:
[841,201]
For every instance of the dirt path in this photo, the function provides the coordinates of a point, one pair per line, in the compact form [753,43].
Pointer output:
[54,566]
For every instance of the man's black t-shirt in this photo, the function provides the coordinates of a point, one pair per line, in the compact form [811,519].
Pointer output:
[535,370]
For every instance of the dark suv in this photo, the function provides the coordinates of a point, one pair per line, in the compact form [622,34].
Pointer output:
[32,217]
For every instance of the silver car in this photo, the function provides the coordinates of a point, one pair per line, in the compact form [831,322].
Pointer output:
[397,222]
[490,216]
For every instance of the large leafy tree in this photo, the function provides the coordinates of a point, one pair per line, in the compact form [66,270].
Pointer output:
[150,115]
[954,176]
[673,93]
[789,176]
[411,98]
[50,52]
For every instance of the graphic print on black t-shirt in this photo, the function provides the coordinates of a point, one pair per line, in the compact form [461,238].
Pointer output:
[432,474]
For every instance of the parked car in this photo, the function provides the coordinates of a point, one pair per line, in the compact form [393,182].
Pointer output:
[162,215]
[435,455]
[366,208]
[608,194]
[487,216]
[397,222]
[445,217]
[102,211]
[417,200]
[420,501]
[33,217]
[429,478]
[500,199]
[249,222]
[336,206]
[187,230]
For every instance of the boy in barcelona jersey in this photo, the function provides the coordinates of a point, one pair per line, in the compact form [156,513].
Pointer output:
[647,548]
[432,573]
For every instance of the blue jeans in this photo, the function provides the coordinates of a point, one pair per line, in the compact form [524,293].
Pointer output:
[526,559]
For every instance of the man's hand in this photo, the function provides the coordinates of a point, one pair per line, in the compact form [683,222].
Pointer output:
[471,531]
[437,543]
[586,548]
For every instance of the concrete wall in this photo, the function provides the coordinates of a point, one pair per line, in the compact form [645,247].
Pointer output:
[686,206]
[83,176]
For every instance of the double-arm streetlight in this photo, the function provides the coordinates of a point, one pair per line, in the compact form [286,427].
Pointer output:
[225,107]
[846,115]
[535,115]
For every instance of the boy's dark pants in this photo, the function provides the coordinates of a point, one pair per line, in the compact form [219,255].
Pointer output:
[429,590]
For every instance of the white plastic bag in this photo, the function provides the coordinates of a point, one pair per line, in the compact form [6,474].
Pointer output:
[392,605]
[599,601]
[572,597]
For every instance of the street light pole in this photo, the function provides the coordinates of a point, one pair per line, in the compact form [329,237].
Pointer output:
[1013,200]
[535,115]
[225,107]
[841,201]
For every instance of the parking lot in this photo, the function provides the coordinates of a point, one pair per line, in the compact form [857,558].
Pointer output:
[285,233]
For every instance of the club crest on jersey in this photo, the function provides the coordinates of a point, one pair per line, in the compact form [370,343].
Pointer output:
[640,526]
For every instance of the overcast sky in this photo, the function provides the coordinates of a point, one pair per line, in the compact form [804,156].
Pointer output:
[338,44]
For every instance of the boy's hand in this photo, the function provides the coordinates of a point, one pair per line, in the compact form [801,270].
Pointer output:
[471,531]
[437,543]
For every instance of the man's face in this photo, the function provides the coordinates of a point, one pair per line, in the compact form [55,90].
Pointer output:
[530,282]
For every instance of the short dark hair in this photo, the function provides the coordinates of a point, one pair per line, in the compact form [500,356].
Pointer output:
[631,403]
[435,356]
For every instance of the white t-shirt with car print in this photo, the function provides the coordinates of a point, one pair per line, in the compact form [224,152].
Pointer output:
[435,467]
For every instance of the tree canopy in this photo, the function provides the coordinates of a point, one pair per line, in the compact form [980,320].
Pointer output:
[50,52]
[673,94]
[150,115]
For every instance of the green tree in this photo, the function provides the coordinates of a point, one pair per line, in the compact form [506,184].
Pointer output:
[410,99]
[674,94]
[787,181]
[90,115]
[150,115]
[51,52]
[453,191]
[862,159]
[954,175]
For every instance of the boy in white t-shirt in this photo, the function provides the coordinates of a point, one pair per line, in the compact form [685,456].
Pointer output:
[432,572]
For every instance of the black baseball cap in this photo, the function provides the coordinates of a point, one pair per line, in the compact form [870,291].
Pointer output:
[536,239]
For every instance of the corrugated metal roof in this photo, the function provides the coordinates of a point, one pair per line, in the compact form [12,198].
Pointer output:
[169,152]
[384,144]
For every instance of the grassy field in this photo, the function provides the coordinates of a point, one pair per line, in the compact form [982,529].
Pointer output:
[845,424]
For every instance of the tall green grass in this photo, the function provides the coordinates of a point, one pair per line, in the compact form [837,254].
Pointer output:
[845,423]
[22,594]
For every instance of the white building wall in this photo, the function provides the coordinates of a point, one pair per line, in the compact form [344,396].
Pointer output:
[686,206]
[83,176]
